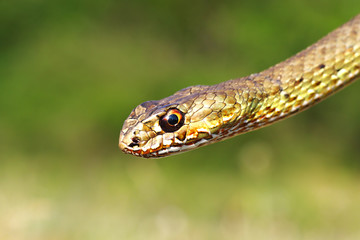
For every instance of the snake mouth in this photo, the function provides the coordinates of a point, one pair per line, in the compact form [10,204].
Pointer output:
[139,152]
[133,147]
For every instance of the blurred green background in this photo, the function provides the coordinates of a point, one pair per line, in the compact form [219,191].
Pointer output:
[71,72]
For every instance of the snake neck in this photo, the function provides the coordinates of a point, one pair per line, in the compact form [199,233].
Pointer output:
[293,85]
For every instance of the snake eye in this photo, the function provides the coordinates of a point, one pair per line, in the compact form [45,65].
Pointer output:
[172,120]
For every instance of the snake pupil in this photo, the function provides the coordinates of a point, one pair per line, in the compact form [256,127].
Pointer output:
[173,119]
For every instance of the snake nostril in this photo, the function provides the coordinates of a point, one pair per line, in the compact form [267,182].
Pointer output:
[135,142]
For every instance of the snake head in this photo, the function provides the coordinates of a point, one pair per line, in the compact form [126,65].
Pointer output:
[151,129]
[180,122]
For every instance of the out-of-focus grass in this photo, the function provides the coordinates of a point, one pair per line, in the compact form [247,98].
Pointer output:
[71,71]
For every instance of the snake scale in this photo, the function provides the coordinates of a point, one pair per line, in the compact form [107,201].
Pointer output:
[200,115]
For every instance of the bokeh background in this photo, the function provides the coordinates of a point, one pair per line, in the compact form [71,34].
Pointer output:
[71,72]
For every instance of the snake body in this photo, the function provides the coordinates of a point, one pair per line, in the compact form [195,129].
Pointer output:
[201,115]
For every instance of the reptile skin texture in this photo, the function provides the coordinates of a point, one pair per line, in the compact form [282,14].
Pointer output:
[201,115]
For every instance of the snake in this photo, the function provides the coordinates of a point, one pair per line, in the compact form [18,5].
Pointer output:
[201,115]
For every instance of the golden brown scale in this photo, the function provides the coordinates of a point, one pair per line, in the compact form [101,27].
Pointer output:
[206,114]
